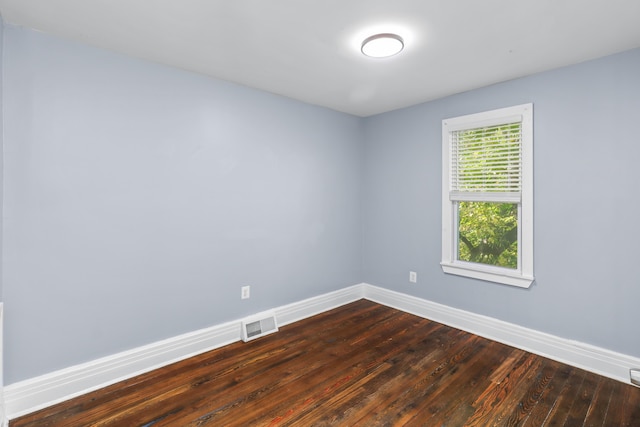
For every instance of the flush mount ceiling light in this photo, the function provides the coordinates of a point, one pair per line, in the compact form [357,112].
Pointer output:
[382,45]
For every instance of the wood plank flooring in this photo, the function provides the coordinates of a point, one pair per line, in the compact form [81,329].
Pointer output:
[362,364]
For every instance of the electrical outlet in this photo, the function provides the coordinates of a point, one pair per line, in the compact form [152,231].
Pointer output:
[246,292]
[413,277]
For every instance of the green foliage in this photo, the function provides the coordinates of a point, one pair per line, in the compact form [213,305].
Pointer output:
[488,233]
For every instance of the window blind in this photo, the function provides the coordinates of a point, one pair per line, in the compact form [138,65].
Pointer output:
[486,160]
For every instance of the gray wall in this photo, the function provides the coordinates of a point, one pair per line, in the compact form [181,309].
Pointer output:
[586,150]
[1,154]
[140,198]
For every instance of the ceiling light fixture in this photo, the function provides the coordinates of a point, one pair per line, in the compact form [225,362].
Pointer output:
[382,45]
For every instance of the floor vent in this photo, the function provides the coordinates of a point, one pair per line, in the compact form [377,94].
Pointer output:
[259,325]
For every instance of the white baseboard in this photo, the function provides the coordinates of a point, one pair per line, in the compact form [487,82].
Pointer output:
[591,358]
[306,308]
[39,392]
[36,393]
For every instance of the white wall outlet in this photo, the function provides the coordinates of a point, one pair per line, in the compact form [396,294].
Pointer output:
[413,277]
[246,292]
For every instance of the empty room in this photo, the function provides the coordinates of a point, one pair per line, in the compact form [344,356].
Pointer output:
[312,213]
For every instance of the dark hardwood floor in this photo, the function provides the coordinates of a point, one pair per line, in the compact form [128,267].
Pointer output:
[362,364]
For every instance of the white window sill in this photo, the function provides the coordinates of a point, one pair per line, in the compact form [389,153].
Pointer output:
[497,275]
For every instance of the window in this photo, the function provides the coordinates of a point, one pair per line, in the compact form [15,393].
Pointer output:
[487,195]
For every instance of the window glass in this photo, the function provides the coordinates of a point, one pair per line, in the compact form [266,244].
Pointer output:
[488,233]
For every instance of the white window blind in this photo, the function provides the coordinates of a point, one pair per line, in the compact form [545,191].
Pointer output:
[486,160]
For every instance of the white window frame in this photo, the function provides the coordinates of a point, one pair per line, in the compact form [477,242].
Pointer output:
[522,276]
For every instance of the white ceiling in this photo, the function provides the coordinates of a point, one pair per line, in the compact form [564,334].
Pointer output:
[310,49]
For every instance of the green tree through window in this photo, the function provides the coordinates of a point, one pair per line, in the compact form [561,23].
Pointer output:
[488,233]
[488,161]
